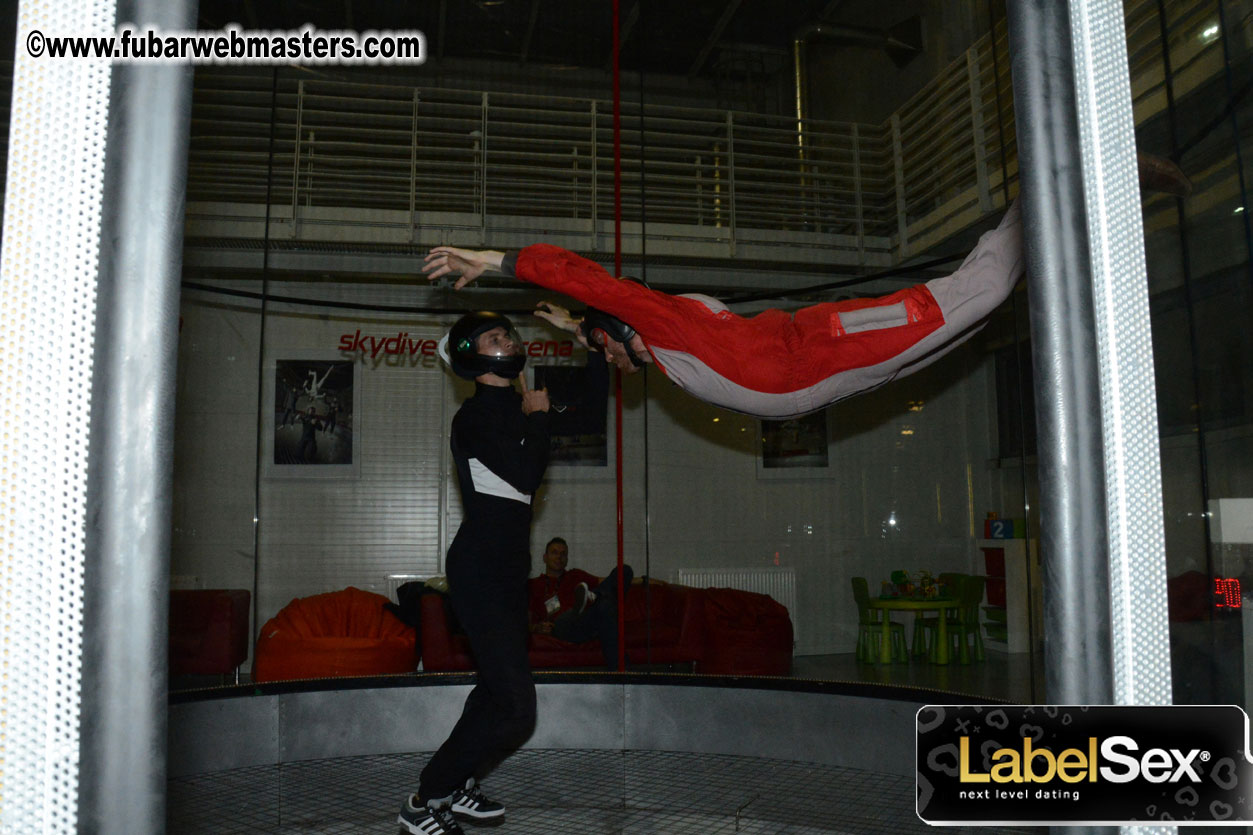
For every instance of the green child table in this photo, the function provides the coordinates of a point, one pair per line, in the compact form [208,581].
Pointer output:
[910,604]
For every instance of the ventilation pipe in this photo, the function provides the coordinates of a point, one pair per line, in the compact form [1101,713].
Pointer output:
[901,42]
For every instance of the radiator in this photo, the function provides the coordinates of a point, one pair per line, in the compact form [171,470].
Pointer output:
[779,583]
[395,581]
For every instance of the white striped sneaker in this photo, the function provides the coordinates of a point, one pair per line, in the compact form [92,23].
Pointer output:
[428,820]
[470,802]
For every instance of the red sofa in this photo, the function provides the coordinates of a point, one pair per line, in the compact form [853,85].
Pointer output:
[208,631]
[746,634]
[677,633]
[1189,597]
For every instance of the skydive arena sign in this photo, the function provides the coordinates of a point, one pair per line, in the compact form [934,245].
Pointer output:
[1099,766]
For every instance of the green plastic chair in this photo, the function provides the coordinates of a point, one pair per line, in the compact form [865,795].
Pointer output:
[965,626]
[925,624]
[950,579]
[870,628]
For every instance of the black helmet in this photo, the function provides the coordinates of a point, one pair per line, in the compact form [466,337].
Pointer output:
[459,348]
[597,326]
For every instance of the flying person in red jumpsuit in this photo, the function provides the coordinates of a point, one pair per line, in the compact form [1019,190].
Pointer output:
[775,364]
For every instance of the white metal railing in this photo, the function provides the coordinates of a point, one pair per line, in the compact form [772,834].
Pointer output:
[436,150]
[939,162]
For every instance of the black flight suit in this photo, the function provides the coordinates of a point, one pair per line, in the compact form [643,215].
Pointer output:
[500,455]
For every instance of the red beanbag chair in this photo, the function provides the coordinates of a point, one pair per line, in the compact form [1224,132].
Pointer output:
[746,634]
[341,633]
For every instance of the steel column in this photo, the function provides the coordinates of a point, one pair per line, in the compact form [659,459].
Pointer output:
[130,459]
[1078,667]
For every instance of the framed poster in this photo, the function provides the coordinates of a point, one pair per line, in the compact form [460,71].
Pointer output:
[311,427]
[579,438]
[794,448]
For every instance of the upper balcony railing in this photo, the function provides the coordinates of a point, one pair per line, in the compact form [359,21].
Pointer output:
[378,163]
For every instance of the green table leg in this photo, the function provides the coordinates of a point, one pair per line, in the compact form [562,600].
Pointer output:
[885,651]
[941,639]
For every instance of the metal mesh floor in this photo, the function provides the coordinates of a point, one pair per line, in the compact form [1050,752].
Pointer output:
[559,792]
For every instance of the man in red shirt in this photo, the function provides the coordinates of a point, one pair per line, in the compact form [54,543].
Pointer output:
[573,605]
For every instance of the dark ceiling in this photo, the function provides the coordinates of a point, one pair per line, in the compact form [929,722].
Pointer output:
[680,37]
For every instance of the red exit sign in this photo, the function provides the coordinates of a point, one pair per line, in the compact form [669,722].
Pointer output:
[1226,593]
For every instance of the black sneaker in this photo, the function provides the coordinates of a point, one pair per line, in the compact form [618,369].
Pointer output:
[427,820]
[470,802]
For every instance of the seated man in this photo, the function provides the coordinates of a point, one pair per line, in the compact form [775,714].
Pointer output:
[572,605]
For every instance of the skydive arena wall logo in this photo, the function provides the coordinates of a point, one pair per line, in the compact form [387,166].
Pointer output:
[1176,764]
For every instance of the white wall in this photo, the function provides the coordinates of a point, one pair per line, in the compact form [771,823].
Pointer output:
[215,444]
[708,506]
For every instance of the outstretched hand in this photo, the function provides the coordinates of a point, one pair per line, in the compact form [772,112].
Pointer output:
[560,317]
[557,315]
[444,260]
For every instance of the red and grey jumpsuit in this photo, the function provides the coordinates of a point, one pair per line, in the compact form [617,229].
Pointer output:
[779,365]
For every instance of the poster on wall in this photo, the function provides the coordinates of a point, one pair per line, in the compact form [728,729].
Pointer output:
[794,448]
[312,431]
[586,444]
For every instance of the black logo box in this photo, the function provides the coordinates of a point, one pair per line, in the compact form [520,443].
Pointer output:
[1177,743]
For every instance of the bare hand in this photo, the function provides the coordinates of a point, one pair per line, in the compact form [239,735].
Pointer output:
[533,400]
[544,627]
[557,315]
[443,260]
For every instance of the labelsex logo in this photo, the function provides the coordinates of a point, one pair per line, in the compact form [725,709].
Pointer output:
[1039,765]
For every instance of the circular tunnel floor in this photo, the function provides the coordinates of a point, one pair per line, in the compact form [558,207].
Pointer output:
[554,792]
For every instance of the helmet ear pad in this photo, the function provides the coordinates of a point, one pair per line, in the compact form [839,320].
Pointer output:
[598,337]
[598,326]
[614,328]
[461,347]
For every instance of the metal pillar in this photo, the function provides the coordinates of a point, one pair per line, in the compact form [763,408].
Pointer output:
[1075,569]
[130,458]
[1106,634]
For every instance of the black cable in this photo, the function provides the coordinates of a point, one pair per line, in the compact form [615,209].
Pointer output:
[400,308]
[1230,111]
[648,621]
[378,308]
[1018,361]
[262,406]
[1185,258]
[844,282]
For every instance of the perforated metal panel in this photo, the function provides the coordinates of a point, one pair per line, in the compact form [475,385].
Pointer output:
[48,274]
[1141,645]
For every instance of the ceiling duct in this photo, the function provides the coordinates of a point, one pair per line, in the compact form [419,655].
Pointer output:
[901,42]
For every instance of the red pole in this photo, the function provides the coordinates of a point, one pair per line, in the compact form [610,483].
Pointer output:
[617,377]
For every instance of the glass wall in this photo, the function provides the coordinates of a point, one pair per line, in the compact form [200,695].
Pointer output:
[313,413]
[1195,61]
